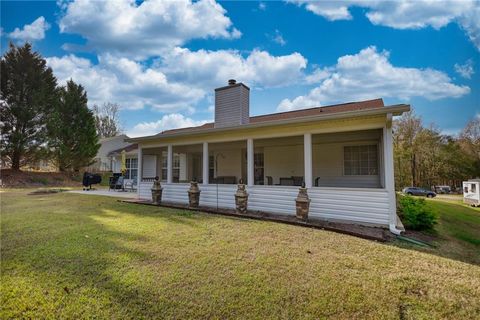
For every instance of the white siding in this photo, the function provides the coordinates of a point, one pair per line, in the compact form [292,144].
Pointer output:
[363,206]
[232,106]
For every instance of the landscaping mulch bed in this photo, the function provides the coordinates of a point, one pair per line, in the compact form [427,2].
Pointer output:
[371,233]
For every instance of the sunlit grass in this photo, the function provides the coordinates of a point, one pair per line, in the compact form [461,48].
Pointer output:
[76,256]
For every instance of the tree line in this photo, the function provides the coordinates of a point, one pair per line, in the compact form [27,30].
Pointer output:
[424,157]
[41,120]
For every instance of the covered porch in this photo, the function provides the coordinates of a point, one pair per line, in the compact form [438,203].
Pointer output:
[345,173]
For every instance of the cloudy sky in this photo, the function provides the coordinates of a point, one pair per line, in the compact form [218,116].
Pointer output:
[161,60]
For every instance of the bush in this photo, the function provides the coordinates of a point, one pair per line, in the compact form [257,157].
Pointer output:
[415,214]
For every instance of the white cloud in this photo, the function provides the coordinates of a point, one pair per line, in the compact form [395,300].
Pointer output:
[31,32]
[146,29]
[168,121]
[465,70]
[406,14]
[317,75]
[125,82]
[210,69]
[177,82]
[369,74]
[278,38]
[262,6]
[331,10]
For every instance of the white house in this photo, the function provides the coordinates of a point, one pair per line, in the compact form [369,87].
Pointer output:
[107,158]
[343,153]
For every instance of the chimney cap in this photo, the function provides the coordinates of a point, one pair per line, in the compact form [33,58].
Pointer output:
[231,82]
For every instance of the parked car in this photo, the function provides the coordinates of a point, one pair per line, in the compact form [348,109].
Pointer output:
[443,189]
[414,191]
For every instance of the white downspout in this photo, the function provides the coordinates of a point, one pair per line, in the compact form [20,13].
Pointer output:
[389,175]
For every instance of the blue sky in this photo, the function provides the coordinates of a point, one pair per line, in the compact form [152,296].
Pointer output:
[160,61]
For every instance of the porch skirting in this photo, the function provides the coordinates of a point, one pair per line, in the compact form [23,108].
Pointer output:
[356,205]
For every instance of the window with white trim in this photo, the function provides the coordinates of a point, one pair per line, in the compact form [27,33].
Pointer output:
[175,167]
[360,160]
[131,165]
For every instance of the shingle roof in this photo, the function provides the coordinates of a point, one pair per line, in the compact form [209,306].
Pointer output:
[128,148]
[351,106]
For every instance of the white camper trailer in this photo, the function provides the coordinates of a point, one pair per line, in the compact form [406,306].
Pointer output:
[471,192]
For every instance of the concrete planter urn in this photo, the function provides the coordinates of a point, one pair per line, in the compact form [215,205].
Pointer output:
[193,195]
[241,198]
[157,191]
[302,203]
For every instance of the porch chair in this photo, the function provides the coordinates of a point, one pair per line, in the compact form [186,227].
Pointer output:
[117,184]
[131,185]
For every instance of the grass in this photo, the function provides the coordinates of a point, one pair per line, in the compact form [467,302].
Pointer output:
[75,256]
[458,229]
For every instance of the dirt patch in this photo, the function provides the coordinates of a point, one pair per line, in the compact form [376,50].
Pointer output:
[422,236]
[27,179]
[45,191]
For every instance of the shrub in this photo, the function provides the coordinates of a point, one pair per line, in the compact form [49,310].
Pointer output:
[415,213]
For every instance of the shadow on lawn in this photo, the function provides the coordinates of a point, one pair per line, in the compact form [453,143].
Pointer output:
[89,260]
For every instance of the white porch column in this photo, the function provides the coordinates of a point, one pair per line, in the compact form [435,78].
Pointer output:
[250,163]
[139,168]
[205,163]
[389,174]
[169,163]
[307,155]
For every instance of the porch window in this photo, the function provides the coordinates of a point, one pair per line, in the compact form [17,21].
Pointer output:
[211,168]
[360,160]
[176,167]
[258,161]
[473,187]
[164,166]
[131,165]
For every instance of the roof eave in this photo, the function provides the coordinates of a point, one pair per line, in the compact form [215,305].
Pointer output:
[395,110]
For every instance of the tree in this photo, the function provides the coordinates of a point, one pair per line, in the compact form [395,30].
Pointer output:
[107,120]
[470,142]
[407,130]
[72,133]
[28,94]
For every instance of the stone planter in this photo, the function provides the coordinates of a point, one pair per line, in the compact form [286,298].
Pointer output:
[241,198]
[157,191]
[302,203]
[193,195]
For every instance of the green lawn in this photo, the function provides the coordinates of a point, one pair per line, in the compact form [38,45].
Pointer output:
[76,256]
[458,229]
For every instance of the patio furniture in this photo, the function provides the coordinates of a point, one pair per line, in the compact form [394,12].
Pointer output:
[225,180]
[116,182]
[317,179]
[269,180]
[286,182]
[131,185]
[297,180]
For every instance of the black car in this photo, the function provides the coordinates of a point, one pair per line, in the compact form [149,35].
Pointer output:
[414,191]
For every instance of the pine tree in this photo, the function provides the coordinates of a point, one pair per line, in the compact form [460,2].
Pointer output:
[27,96]
[73,137]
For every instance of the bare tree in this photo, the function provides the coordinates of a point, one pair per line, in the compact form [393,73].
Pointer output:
[107,120]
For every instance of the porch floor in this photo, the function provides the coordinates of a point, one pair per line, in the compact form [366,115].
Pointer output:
[371,233]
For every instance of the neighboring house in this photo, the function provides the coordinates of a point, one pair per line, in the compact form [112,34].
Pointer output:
[104,162]
[343,153]
[131,161]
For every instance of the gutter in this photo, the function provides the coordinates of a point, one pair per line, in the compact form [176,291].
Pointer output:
[394,110]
